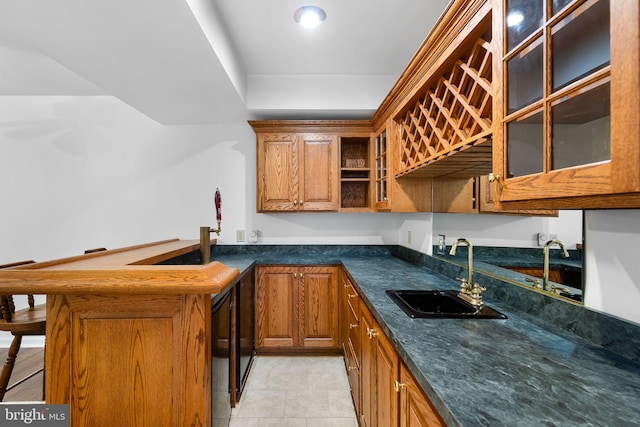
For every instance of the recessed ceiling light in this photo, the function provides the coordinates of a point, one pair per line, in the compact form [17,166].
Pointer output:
[309,16]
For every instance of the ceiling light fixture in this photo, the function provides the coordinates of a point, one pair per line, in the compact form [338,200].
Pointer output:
[309,16]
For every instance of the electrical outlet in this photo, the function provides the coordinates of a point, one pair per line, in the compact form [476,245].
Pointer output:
[442,246]
[409,236]
[253,236]
[239,235]
[542,238]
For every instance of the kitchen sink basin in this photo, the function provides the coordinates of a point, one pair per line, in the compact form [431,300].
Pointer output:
[440,304]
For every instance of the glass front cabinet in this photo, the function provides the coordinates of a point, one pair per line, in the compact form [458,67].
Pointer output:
[568,103]
[382,199]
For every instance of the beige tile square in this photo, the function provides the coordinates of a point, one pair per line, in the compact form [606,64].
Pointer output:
[283,422]
[332,422]
[261,403]
[307,403]
[245,422]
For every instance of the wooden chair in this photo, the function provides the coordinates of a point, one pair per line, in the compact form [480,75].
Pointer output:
[27,321]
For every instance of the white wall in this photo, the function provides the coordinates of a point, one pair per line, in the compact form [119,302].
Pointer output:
[83,172]
[613,270]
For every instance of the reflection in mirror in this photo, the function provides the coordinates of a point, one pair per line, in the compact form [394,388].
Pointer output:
[511,248]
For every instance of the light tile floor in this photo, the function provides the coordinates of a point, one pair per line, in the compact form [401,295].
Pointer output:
[296,391]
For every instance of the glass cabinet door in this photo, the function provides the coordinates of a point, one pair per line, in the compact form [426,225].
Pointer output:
[570,89]
[381,167]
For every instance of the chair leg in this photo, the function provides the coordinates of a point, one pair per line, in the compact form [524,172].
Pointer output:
[5,374]
[44,371]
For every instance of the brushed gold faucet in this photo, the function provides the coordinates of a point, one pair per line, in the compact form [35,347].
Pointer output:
[545,277]
[469,291]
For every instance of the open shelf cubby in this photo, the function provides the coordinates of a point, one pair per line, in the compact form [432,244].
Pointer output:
[355,171]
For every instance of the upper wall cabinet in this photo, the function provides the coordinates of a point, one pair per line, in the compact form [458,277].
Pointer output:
[442,104]
[473,195]
[396,194]
[569,103]
[298,165]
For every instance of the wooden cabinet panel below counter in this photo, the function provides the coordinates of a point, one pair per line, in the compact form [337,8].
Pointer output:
[297,308]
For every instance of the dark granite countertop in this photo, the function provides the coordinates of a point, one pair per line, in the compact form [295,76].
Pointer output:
[520,371]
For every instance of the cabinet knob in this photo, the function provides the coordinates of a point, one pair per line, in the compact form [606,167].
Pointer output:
[349,296]
[493,177]
[351,368]
[301,201]
[295,202]
[295,274]
[397,386]
[371,333]
[353,325]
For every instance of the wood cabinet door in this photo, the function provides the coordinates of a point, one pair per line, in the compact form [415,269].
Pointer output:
[368,327]
[386,377]
[455,195]
[277,173]
[276,307]
[318,169]
[318,294]
[297,307]
[415,408]
[344,321]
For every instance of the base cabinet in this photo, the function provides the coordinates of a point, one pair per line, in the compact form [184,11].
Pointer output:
[296,308]
[367,413]
[386,376]
[389,395]
[350,335]
[415,408]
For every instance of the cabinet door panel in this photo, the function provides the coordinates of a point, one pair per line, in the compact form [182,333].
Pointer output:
[577,147]
[367,369]
[275,307]
[415,408]
[319,306]
[278,172]
[318,168]
[386,376]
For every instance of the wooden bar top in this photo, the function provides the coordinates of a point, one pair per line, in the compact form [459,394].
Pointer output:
[129,270]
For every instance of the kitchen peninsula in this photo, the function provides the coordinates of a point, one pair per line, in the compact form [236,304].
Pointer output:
[128,342]
[117,315]
[551,362]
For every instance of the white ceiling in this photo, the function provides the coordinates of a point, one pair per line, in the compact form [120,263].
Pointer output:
[213,61]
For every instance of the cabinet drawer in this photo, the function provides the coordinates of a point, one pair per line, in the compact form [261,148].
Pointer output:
[353,373]
[354,336]
[353,301]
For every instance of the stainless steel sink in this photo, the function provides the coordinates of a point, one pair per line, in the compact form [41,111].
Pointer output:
[440,304]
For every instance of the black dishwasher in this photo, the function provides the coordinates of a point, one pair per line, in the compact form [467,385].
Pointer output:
[245,330]
[221,311]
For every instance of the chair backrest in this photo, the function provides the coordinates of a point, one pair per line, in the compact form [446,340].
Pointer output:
[7,306]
